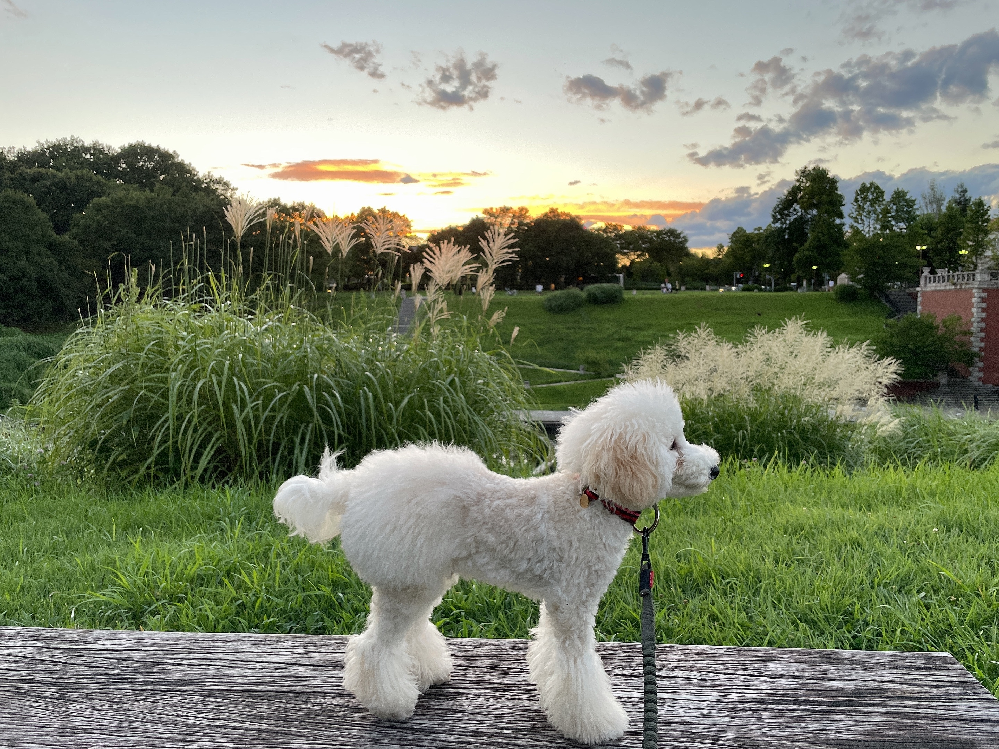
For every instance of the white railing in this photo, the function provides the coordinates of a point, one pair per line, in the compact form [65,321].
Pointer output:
[960,279]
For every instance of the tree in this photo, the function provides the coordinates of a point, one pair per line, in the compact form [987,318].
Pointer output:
[61,194]
[747,253]
[37,287]
[144,230]
[556,248]
[932,201]
[882,240]
[808,219]
[869,209]
[506,217]
[975,233]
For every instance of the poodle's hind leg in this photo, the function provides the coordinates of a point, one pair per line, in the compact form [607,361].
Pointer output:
[427,648]
[378,666]
[574,690]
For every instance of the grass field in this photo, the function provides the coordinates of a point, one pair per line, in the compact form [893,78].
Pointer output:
[604,337]
[883,559]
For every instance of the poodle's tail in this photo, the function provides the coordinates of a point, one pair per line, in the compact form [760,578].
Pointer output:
[313,507]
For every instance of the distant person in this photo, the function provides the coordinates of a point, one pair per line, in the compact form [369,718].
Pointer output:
[662,287]
[669,288]
[539,288]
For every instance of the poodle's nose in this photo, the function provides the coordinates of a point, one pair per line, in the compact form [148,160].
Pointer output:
[713,473]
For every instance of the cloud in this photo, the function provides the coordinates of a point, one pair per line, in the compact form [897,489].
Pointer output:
[631,212]
[371,171]
[861,18]
[993,144]
[458,83]
[574,182]
[747,117]
[719,217]
[593,90]
[869,95]
[773,75]
[618,62]
[361,56]
[12,10]
[687,109]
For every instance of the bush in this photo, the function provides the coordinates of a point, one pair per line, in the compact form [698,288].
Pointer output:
[772,426]
[751,287]
[929,436]
[923,347]
[564,301]
[183,390]
[846,293]
[790,361]
[37,287]
[21,369]
[604,293]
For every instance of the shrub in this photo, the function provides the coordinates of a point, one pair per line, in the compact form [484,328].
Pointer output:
[846,293]
[923,347]
[751,287]
[34,265]
[21,367]
[564,301]
[772,426]
[604,293]
[184,390]
[790,361]
[927,435]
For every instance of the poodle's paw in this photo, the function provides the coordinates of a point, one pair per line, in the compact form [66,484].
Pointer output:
[592,723]
[431,660]
[381,680]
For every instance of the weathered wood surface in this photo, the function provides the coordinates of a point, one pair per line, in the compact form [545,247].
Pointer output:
[86,688]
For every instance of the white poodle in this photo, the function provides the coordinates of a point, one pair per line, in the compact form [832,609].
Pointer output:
[414,520]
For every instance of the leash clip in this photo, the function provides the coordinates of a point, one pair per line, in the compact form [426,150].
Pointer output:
[648,529]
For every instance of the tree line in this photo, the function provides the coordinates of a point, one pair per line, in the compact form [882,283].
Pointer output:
[888,240]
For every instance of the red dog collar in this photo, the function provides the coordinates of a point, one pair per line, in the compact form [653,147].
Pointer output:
[631,516]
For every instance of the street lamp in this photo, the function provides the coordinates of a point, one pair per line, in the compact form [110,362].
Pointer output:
[920,248]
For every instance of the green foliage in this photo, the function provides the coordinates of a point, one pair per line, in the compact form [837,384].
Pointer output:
[21,363]
[37,288]
[563,301]
[770,426]
[929,436]
[556,248]
[604,293]
[923,347]
[846,293]
[201,387]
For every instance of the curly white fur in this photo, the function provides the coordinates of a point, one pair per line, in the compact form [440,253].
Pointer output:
[414,520]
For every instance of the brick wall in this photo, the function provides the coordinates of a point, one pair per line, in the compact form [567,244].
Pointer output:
[943,302]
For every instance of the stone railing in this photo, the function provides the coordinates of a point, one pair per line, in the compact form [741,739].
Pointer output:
[959,279]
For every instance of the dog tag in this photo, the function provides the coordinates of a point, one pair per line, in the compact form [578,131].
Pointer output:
[584,501]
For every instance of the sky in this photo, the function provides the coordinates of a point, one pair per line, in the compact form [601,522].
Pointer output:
[693,115]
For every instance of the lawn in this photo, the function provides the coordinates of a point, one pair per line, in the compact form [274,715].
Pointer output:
[878,560]
[602,338]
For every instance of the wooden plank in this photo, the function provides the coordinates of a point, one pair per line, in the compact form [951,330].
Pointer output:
[86,688]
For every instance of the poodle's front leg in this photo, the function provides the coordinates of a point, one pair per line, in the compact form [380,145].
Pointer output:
[574,689]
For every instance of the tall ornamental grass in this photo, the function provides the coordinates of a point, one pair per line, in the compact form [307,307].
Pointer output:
[788,394]
[182,390]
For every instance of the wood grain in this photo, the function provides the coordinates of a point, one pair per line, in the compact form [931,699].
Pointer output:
[85,688]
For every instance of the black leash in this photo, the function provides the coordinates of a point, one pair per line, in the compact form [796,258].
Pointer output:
[650,726]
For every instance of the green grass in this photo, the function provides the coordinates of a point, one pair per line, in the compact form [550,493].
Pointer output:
[21,362]
[900,559]
[612,334]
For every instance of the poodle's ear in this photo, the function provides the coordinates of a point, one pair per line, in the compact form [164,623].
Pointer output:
[625,466]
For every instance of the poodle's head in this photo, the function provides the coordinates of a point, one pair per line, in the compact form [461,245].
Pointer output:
[628,446]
